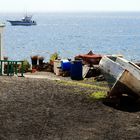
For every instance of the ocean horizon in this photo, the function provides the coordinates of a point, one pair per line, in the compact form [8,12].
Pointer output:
[70,34]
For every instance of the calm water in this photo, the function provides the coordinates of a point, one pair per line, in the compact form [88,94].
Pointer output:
[72,34]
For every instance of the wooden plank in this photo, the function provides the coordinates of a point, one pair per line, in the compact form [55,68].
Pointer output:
[126,73]
[85,70]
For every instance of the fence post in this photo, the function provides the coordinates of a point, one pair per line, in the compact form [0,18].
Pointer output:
[1,67]
[16,68]
[8,68]
[22,69]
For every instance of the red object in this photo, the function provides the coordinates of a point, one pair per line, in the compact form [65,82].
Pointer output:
[90,58]
[33,70]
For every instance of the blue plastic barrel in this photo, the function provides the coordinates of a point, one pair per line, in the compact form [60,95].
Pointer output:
[76,70]
[65,65]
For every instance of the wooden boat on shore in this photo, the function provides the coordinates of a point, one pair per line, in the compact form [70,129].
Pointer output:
[123,76]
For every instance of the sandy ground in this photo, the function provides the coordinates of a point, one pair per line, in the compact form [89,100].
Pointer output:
[41,109]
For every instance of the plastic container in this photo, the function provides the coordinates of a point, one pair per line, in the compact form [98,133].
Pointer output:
[76,70]
[41,59]
[58,71]
[56,64]
[66,65]
[34,60]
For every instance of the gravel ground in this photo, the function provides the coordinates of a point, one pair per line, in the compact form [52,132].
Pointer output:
[40,109]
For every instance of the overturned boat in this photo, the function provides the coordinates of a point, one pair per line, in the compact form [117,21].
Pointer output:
[90,58]
[123,76]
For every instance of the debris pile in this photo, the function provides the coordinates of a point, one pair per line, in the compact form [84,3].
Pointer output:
[83,66]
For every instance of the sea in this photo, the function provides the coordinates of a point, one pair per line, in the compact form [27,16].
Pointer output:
[71,34]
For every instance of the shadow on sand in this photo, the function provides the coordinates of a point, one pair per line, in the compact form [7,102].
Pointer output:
[125,103]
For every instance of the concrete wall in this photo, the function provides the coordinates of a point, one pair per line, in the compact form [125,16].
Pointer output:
[1,40]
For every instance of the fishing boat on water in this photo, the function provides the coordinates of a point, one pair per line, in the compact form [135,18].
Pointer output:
[25,21]
[122,75]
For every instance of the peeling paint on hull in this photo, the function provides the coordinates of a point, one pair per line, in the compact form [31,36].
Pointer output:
[125,73]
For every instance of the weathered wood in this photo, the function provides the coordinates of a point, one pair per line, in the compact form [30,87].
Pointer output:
[129,66]
[85,70]
[125,75]
[111,70]
[126,84]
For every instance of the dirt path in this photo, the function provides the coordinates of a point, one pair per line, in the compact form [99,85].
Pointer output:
[39,109]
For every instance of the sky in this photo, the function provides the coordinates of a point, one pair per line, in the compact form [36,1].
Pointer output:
[68,5]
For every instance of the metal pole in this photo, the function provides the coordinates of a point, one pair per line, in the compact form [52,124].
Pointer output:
[8,68]
[22,69]
[16,68]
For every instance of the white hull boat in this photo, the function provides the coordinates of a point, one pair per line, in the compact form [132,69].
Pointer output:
[123,76]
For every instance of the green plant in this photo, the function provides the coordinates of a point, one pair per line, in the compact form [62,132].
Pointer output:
[26,65]
[79,84]
[98,95]
[54,56]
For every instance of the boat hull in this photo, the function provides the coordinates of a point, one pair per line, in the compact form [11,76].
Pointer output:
[126,84]
[110,70]
[125,75]
[21,23]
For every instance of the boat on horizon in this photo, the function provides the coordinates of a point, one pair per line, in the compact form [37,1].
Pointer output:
[25,21]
